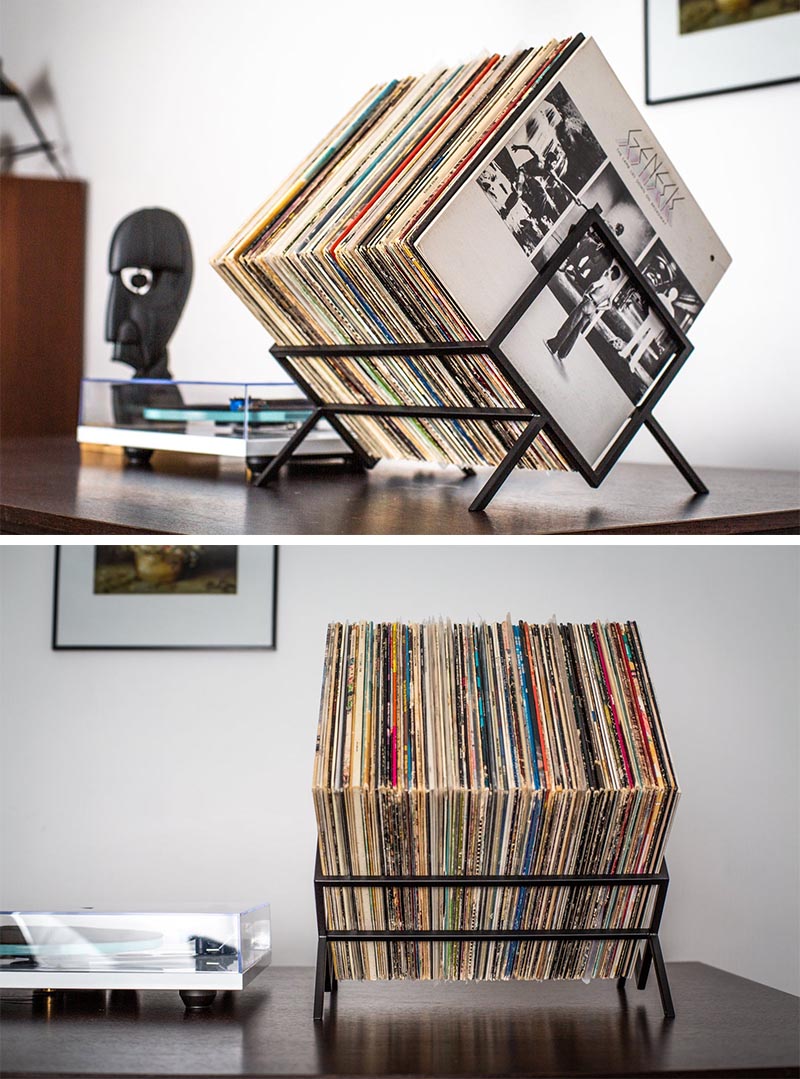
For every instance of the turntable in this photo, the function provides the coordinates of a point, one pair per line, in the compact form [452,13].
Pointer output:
[197,950]
[249,421]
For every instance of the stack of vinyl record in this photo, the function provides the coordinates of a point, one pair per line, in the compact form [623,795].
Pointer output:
[491,750]
[327,259]
[423,216]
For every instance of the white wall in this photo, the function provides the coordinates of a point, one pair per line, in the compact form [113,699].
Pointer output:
[203,106]
[129,777]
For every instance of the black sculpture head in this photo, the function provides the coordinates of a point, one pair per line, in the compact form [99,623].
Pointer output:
[151,266]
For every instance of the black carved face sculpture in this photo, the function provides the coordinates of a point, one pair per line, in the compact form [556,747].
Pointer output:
[151,266]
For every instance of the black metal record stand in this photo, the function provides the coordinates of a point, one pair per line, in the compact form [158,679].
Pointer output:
[532,413]
[326,982]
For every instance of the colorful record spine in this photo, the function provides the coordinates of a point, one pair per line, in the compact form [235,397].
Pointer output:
[489,750]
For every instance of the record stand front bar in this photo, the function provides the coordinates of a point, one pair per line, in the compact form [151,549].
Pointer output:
[325,979]
[533,413]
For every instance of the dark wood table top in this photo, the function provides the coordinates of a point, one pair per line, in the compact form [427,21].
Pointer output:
[45,487]
[724,1025]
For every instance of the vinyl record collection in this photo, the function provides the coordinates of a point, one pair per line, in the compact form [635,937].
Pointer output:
[489,749]
[423,216]
[330,259]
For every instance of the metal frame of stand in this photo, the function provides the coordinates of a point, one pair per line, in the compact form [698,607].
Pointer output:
[534,414]
[326,982]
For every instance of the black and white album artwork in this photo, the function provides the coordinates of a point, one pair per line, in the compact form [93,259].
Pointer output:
[604,307]
[535,178]
[592,344]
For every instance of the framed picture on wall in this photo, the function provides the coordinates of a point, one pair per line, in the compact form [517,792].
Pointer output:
[165,596]
[699,47]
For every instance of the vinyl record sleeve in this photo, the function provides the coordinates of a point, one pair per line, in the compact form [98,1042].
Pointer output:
[477,258]
[590,347]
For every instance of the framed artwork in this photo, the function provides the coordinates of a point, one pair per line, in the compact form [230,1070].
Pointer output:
[699,47]
[165,596]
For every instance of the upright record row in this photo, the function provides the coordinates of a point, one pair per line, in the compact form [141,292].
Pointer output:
[488,749]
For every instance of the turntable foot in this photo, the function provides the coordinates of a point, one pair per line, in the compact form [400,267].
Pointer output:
[137,457]
[198,998]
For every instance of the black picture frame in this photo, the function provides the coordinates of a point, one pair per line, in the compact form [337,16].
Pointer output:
[650,99]
[58,643]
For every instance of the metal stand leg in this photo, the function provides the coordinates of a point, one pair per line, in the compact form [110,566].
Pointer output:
[278,460]
[509,462]
[363,458]
[661,977]
[674,454]
[321,981]
[643,965]
[651,953]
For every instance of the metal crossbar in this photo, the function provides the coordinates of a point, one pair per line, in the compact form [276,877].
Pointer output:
[326,981]
[533,412]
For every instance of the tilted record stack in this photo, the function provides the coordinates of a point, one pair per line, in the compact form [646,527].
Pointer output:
[329,260]
[419,224]
[495,750]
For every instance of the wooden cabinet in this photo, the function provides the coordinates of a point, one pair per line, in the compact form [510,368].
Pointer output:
[42,241]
